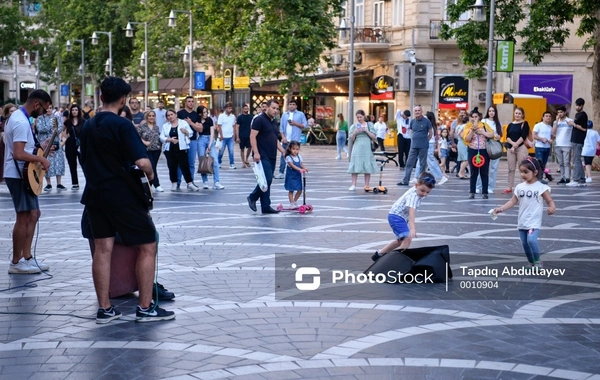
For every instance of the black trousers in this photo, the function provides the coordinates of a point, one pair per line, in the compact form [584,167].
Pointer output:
[72,156]
[178,159]
[380,144]
[153,156]
[403,150]
[483,171]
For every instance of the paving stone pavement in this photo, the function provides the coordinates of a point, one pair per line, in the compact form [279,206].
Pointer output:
[218,257]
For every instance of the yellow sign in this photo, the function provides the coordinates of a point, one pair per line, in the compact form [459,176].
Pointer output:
[217,83]
[227,80]
[241,82]
[498,98]
[451,92]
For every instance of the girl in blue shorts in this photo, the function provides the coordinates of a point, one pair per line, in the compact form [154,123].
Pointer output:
[402,215]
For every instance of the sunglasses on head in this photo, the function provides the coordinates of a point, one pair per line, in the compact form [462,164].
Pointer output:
[429,180]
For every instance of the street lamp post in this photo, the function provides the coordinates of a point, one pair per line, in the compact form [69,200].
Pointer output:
[16,59]
[351,68]
[172,24]
[82,42]
[95,42]
[129,33]
[479,15]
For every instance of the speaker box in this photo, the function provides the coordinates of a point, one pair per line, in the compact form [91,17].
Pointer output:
[430,260]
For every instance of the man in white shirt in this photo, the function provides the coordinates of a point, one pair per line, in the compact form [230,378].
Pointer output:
[20,144]
[561,132]
[404,136]
[161,114]
[291,126]
[225,127]
[542,134]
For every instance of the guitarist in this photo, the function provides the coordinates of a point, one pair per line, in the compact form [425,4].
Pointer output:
[109,145]
[20,144]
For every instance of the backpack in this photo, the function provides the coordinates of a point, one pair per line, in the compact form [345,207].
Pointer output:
[86,115]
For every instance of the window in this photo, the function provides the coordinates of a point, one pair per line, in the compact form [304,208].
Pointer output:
[398,12]
[359,12]
[378,13]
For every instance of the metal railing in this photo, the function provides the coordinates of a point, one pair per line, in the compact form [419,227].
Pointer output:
[435,27]
[366,34]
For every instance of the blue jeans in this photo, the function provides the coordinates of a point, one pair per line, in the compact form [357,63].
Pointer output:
[203,141]
[432,164]
[340,138]
[530,244]
[227,142]
[192,152]
[282,163]
[492,176]
[542,155]
[265,197]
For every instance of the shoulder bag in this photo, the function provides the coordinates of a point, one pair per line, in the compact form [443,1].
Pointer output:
[205,165]
[528,143]
[494,149]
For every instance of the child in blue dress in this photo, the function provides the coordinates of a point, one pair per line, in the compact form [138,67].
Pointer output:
[293,176]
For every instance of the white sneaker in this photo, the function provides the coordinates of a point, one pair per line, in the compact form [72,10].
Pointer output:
[205,185]
[490,191]
[443,180]
[192,187]
[347,154]
[352,188]
[34,263]
[572,184]
[232,167]
[22,267]
[588,179]
[218,186]
[478,191]
[278,176]
[174,187]
[292,206]
[412,181]
[338,157]
[159,189]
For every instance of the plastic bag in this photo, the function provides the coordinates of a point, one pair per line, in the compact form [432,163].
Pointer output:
[259,173]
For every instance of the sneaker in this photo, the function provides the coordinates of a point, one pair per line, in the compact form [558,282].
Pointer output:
[471,196]
[75,187]
[412,181]
[352,188]
[582,182]
[159,189]
[218,186]
[490,191]
[573,184]
[37,264]
[107,315]
[443,181]
[174,187]
[232,167]
[588,179]
[60,187]
[48,188]
[205,185]
[192,187]
[22,267]
[485,196]
[538,264]
[376,256]
[478,191]
[159,291]
[338,157]
[292,206]
[402,183]
[153,314]
[278,176]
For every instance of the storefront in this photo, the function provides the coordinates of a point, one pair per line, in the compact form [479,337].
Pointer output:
[557,89]
[383,97]
[25,88]
[171,91]
[453,96]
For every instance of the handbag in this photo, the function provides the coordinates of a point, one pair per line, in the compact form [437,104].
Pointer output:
[494,149]
[205,165]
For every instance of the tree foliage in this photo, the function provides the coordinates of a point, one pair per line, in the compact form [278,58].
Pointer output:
[15,30]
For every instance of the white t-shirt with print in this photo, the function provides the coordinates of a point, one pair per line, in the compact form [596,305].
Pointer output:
[531,204]
[227,122]
[544,131]
[17,129]
[409,199]
[563,133]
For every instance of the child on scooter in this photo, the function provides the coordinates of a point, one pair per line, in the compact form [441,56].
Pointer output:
[293,176]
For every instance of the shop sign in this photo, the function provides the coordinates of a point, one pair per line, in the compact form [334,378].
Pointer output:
[89,89]
[383,88]
[505,56]
[227,80]
[64,90]
[27,85]
[454,93]
[199,80]
[241,82]
[557,89]
[153,84]
[217,83]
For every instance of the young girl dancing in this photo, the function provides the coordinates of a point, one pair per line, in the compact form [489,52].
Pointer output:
[402,215]
[529,195]
[443,144]
[293,176]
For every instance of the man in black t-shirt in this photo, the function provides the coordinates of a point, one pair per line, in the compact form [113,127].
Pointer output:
[242,131]
[579,125]
[263,138]
[193,119]
[110,144]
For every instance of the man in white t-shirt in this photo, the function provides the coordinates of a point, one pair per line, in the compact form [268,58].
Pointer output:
[161,114]
[20,144]
[561,132]
[225,126]
[542,134]
[404,136]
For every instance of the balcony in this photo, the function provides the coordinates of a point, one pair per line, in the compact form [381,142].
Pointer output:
[366,38]
[435,27]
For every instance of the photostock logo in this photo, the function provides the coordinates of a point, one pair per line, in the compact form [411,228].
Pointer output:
[307,271]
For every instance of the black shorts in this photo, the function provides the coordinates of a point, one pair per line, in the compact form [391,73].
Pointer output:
[588,160]
[131,222]
[245,142]
[23,199]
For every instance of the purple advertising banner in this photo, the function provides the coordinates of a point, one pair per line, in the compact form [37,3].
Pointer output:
[557,89]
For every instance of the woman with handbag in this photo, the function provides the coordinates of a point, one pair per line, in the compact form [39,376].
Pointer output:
[70,138]
[491,119]
[150,134]
[517,134]
[175,135]
[475,136]
[209,162]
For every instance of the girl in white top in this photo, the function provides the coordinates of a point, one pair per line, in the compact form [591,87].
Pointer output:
[381,130]
[591,143]
[529,195]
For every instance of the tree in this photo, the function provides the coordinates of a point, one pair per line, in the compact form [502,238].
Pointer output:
[547,26]
[266,38]
[15,33]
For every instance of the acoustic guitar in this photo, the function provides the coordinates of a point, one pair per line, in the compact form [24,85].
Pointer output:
[141,181]
[33,172]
